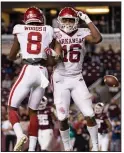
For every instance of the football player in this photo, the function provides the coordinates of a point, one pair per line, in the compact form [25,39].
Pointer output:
[31,38]
[67,77]
[104,127]
[46,124]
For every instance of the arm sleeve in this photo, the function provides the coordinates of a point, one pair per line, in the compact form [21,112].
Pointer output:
[87,32]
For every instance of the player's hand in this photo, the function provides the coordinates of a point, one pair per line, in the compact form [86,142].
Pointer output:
[83,16]
[52,53]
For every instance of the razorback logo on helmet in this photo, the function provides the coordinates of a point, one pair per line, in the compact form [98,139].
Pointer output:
[68,13]
[33,14]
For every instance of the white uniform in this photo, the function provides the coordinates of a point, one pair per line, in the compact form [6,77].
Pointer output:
[103,134]
[45,132]
[67,77]
[33,40]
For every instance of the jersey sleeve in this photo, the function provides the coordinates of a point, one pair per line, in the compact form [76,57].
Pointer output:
[86,32]
[17,29]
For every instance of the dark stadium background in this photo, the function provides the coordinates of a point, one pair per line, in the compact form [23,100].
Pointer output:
[101,59]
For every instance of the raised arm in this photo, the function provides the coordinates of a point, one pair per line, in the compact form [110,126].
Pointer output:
[95,36]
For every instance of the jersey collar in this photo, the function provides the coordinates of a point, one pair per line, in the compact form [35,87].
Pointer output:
[69,34]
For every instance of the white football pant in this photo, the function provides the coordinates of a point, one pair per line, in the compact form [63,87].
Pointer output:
[45,138]
[31,79]
[67,87]
[103,141]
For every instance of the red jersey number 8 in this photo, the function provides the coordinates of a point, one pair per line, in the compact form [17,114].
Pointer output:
[34,39]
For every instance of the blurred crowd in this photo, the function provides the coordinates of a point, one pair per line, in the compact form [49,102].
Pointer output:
[95,66]
[106,23]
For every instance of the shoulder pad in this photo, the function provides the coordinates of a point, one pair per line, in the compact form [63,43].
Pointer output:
[18,29]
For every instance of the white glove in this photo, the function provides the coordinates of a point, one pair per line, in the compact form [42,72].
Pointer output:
[50,51]
[83,17]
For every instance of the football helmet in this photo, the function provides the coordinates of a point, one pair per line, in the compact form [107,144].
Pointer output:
[34,14]
[99,108]
[43,103]
[68,13]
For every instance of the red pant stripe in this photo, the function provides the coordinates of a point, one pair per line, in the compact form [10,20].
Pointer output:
[16,83]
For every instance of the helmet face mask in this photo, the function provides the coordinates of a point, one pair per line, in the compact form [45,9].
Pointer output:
[99,108]
[70,15]
[43,103]
[34,15]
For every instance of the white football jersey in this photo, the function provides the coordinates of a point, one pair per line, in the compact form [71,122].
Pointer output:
[33,40]
[73,50]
